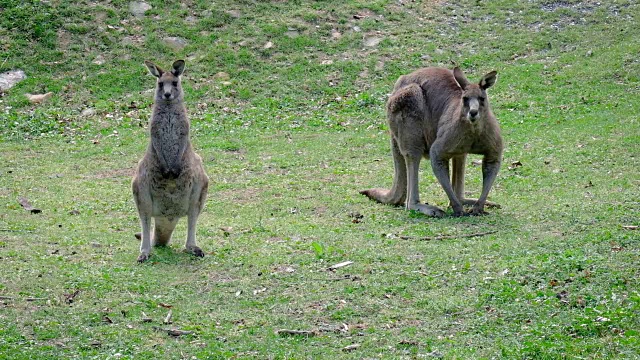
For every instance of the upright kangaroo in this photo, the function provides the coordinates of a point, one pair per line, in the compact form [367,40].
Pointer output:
[170,181]
[438,114]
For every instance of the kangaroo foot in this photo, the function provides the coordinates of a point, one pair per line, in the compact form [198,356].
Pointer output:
[195,251]
[383,196]
[427,209]
[143,257]
[477,211]
[471,202]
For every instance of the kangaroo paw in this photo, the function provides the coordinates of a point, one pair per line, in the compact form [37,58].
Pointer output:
[477,212]
[143,257]
[195,251]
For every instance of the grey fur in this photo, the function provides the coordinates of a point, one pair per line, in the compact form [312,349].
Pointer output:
[170,181]
[437,114]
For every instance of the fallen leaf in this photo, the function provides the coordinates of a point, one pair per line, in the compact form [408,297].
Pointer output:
[554,282]
[107,320]
[166,306]
[74,212]
[514,165]
[70,297]
[477,162]
[409,342]
[339,265]
[226,230]
[258,291]
[27,206]
[177,332]
[630,227]
[590,184]
[38,98]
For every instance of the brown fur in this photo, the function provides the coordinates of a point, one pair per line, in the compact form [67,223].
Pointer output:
[437,114]
[170,181]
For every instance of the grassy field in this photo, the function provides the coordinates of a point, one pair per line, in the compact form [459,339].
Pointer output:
[287,107]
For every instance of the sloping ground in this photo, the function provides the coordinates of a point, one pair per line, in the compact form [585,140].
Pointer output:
[287,105]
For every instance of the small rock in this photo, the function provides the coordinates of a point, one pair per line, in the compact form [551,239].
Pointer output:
[176,43]
[335,35]
[439,51]
[99,60]
[356,28]
[268,45]
[234,13]
[88,112]
[589,53]
[371,41]
[38,98]
[10,78]
[138,8]
[226,83]
[292,34]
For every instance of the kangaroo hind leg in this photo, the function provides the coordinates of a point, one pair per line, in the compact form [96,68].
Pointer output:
[397,194]
[195,208]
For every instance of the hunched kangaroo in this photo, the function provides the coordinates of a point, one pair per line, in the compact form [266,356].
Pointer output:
[170,181]
[438,114]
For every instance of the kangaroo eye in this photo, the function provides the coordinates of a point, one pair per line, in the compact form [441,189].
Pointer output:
[481,99]
[161,85]
[465,99]
[175,83]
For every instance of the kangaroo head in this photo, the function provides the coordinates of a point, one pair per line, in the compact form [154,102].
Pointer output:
[168,87]
[474,96]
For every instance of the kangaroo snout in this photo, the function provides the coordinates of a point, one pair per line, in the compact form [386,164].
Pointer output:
[473,115]
[167,95]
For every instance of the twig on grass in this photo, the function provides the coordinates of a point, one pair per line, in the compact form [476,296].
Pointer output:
[173,332]
[442,237]
[339,265]
[287,332]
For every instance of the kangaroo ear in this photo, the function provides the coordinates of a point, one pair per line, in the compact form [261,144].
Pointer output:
[153,68]
[488,80]
[460,78]
[178,68]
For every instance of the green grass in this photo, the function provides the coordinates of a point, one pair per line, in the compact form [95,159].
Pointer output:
[288,144]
